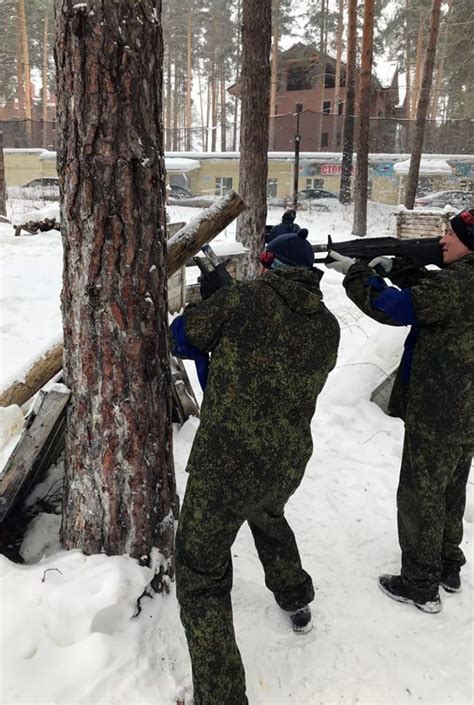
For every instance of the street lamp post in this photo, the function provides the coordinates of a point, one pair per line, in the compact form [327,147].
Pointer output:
[299,109]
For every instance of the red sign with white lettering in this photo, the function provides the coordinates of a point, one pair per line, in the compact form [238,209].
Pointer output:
[333,169]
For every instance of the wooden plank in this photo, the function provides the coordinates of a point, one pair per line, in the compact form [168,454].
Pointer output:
[35,449]
[30,380]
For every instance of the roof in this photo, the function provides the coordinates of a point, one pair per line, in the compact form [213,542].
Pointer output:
[427,166]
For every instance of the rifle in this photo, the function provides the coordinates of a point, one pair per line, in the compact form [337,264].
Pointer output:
[420,251]
[214,277]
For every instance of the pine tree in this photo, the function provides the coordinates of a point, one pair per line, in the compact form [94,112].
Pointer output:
[119,486]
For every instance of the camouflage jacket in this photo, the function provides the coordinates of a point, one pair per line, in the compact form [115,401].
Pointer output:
[438,398]
[273,344]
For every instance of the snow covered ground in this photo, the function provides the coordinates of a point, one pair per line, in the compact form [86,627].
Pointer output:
[69,631]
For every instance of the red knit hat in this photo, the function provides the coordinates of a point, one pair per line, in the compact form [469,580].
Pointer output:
[463,225]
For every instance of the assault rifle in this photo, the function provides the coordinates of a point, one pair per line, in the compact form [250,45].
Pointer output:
[420,251]
[212,277]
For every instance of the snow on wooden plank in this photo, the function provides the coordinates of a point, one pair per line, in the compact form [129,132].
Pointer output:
[36,447]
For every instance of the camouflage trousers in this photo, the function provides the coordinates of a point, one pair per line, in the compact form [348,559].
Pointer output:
[431,499]
[210,519]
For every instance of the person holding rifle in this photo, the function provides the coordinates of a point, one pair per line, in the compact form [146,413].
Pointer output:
[434,394]
[273,344]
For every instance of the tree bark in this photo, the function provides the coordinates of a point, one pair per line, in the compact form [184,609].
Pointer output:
[3,187]
[422,107]
[420,50]
[120,494]
[20,73]
[360,200]
[255,77]
[348,139]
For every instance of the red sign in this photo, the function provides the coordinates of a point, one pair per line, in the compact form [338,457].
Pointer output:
[333,169]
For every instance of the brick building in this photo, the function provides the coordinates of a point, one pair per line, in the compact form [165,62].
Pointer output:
[299,82]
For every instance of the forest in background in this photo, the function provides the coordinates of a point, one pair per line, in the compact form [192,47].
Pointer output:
[203,55]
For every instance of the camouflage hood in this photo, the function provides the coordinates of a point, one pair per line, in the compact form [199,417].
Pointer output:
[298,287]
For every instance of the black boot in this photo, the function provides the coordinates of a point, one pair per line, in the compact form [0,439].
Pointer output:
[301,620]
[451,579]
[395,587]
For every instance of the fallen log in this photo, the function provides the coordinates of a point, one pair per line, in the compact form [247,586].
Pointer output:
[203,228]
[181,247]
[34,226]
[29,380]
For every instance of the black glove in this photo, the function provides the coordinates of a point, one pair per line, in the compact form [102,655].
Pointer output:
[214,279]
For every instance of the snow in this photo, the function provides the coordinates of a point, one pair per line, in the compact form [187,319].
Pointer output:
[427,166]
[70,628]
[385,71]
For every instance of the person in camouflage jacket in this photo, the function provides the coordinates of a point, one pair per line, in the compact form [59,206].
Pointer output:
[273,344]
[433,392]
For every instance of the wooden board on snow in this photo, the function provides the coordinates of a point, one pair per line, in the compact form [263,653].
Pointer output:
[36,449]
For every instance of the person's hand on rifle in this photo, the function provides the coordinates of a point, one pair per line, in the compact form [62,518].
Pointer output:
[213,280]
[382,265]
[339,263]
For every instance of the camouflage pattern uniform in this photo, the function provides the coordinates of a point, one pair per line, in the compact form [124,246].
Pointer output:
[437,405]
[273,345]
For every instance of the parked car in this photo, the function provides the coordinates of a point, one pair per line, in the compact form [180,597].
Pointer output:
[309,194]
[46,187]
[179,192]
[457,199]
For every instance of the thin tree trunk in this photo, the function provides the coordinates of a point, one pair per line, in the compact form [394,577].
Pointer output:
[349,107]
[337,88]
[44,80]
[422,107]
[189,82]
[169,108]
[20,72]
[274,71]
[119,487]
[26,65]
[3,188]
[223,113]
[360,200]
[408,96]
[420,50]
[322,68]
[208,114]
[255,77]
[435,99]
[214,112]
[237,73]
[175,108]
[201,104]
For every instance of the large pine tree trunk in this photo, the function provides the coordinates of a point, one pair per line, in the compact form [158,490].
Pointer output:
[360,199]
[255,77]
[422,107]
[337,80]
[20,72]
[120,487]
[348,138]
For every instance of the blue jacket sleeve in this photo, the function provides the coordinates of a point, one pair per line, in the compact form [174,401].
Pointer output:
[183,348]
[396,303]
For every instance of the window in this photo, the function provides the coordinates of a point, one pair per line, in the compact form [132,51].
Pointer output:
[324,139]
[223,185]
[298,79]
[314,183]
[327,107]
[272,186]
[340,108]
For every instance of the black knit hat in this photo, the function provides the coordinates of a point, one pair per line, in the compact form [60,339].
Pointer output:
[463,225]
[288,216]
[292,249]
